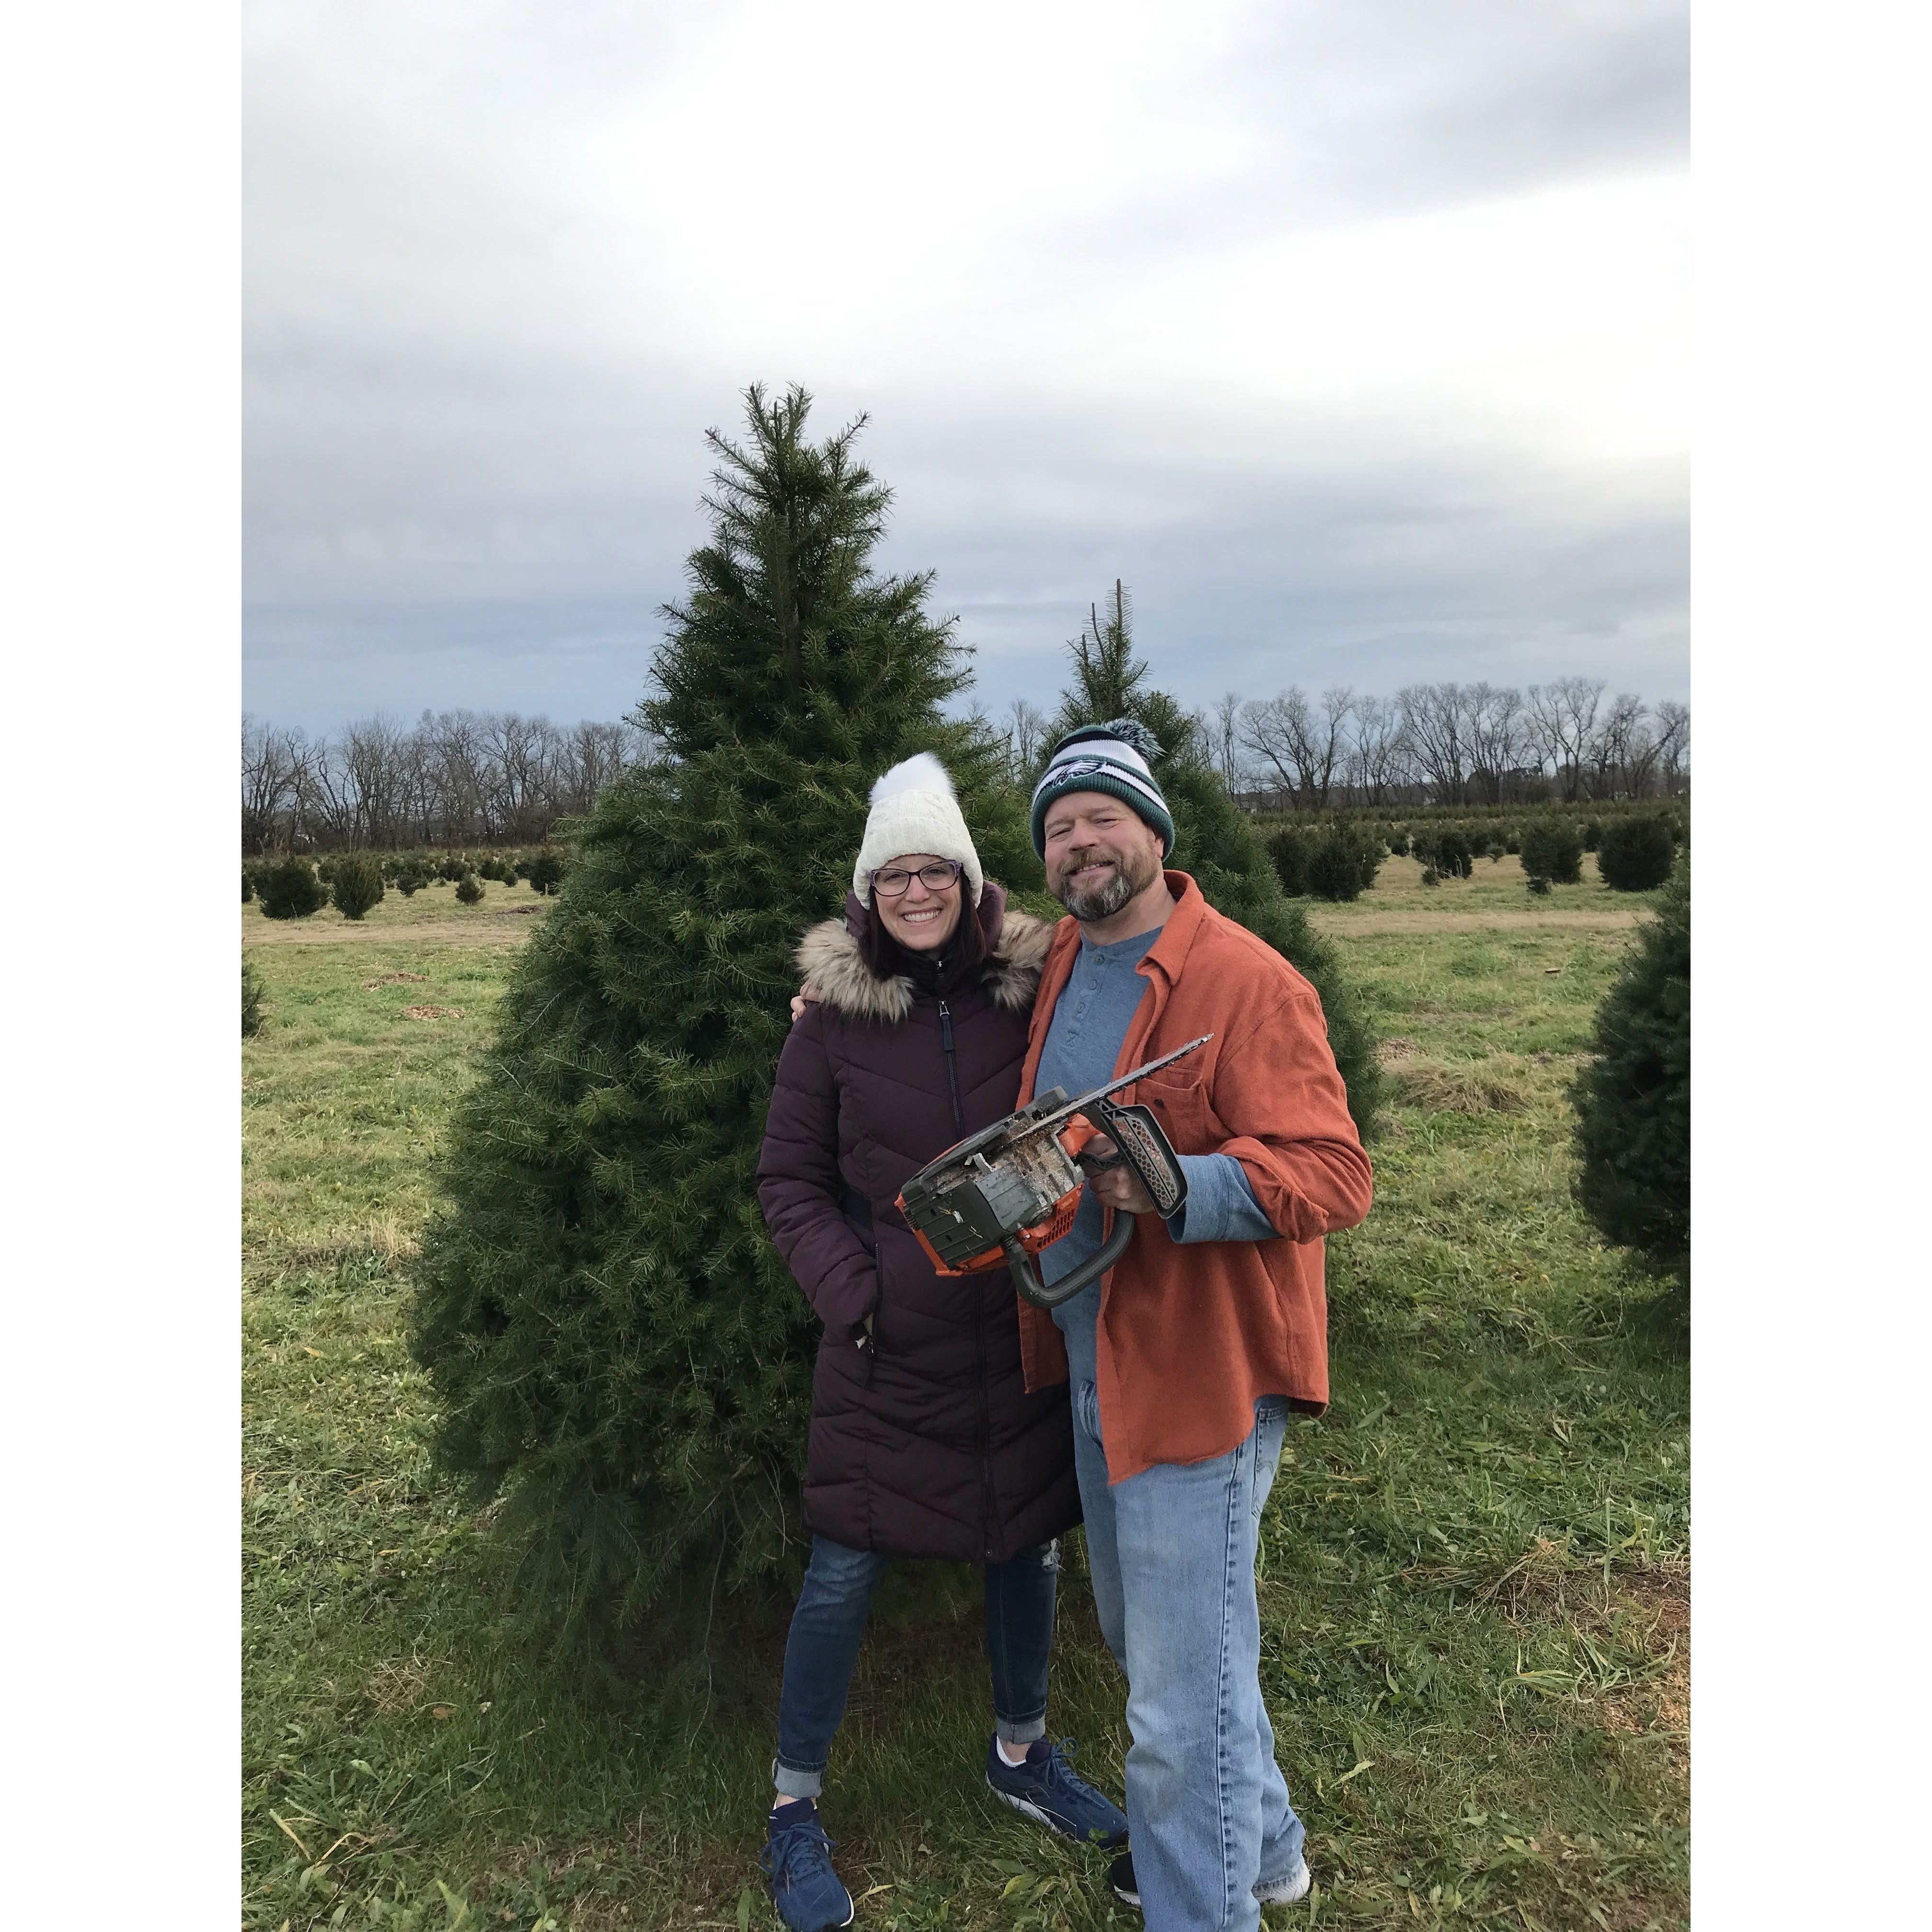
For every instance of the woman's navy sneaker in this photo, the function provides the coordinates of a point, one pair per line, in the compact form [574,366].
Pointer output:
[797,1859]
[1045,1789]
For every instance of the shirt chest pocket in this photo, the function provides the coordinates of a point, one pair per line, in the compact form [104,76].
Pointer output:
[1178,1096]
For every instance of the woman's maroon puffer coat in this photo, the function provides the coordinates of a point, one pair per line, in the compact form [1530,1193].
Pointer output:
[926,1443]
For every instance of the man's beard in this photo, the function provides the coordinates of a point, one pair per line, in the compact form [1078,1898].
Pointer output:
[1132,872]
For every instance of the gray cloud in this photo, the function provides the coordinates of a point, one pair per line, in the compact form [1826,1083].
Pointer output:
[480,357]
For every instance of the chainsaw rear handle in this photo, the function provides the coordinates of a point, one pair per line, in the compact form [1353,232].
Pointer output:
[1090,1270]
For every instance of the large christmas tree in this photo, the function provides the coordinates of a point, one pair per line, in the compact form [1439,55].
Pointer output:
[615,1342]
[1216,843]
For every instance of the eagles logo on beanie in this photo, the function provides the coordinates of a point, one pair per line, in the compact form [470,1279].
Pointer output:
[914,809]
[1112,757]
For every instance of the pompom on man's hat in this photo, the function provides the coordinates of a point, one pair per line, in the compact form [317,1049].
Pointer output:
[915,809]
[1115,758]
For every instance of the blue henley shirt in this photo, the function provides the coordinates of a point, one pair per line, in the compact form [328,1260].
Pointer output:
[1083,1044]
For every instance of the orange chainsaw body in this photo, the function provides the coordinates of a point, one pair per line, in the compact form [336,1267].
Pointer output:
[997,1198]
[1072,1138]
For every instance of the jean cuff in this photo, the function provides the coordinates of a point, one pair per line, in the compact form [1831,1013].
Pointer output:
[1022,1730]
[790,1782]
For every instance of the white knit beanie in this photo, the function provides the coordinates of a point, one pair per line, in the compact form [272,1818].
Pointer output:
[914,810]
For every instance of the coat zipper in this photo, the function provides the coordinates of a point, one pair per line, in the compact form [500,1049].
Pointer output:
[952,1079]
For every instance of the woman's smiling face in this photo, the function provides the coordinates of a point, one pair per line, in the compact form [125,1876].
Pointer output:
[919,919]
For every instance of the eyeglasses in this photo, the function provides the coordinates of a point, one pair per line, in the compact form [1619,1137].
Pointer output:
[934,878]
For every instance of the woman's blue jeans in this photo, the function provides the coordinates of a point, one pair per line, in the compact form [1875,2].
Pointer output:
[830,1619]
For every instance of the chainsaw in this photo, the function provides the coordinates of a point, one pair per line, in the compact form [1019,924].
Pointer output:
[1004,1193]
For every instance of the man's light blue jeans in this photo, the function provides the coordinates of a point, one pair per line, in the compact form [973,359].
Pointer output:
[1172,1554]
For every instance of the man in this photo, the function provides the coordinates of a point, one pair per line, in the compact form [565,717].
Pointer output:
[1187,1358]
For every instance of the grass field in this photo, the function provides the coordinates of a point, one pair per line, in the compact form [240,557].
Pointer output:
[1474,1578]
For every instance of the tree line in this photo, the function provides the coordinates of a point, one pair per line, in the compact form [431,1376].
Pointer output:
[1449,744]
[470,778]
[455,778]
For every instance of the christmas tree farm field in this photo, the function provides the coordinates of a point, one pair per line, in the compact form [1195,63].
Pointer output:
[1474,1571]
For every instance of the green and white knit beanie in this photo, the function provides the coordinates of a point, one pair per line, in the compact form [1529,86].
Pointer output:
[1112,757]
[915,809]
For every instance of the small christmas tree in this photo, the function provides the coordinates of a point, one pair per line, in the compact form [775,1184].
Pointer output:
[357,885]
[1215,842]
[1552,851]
[614,1340]
[1632,1100]
[1635,853]
[290,889]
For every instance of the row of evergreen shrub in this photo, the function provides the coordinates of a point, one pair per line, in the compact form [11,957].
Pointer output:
[1583,811]
[1338,861]
[1494,829]
[1635,849]
[355,881]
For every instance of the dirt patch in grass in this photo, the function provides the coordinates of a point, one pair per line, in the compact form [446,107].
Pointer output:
[400,1684]
[480,928]
[1458,1090]
[1391,1051]
[1661,1707]
[383,1236]
[1334,919]
[432,1012]
[394,979]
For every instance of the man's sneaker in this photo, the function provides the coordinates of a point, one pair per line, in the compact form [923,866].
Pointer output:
[1045,1788]
[1288,1890]
[1270,1891]
[797,1859]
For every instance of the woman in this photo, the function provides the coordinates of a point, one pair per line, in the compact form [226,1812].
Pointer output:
[924,1440]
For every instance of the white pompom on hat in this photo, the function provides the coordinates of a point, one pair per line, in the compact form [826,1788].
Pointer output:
[914,809]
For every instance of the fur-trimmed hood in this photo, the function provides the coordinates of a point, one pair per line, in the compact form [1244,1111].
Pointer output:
[1017,945]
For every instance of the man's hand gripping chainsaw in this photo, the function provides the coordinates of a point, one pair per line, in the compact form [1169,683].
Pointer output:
[1012,1189]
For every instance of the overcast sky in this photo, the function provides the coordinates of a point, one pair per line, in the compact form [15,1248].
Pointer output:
[1351,335]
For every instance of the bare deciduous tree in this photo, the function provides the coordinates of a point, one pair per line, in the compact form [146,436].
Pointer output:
[1437,719]
[1496,738]
[1225,738]
[1303,744]
[1026,739]
[376,759]
[1562,716]
[273,762]
[328,803]
[1606,749]
[1673,745]
[1378,751]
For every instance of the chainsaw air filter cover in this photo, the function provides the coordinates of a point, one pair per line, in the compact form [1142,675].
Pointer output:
[964,1206]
